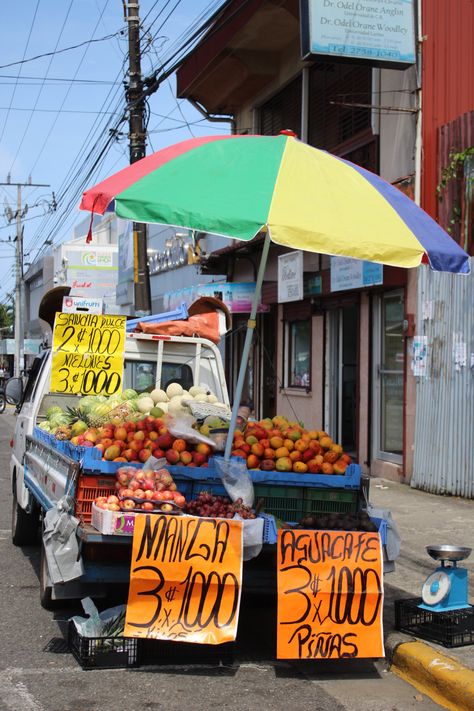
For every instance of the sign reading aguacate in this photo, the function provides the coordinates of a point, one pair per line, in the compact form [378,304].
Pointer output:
[330,595]
[185,579]
[87,353]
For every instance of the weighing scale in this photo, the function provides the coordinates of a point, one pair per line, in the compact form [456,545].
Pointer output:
[446,589]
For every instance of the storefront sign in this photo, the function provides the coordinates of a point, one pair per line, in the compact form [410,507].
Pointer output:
[78,304]
[237,296]
[330,595]
[290,277]
[349,273]
[88,354]
[381,31]
[185,579]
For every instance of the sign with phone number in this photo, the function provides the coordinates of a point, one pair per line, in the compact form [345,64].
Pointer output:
[88,353]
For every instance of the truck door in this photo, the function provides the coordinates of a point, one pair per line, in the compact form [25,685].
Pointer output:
[28,407]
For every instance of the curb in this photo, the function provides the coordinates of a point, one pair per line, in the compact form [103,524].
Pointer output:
[440,677]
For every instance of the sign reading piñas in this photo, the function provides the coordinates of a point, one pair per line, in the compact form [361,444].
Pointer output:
[330,595]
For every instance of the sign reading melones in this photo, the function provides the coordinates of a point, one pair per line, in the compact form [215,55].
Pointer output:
[381,32]
[87,353]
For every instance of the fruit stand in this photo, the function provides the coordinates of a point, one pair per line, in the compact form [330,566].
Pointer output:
[132,464]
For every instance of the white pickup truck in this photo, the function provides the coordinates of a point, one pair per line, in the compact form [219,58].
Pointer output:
[41,475]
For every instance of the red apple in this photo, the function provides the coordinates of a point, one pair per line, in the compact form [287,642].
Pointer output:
[172,456]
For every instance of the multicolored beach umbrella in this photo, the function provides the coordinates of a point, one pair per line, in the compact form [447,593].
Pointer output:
[304,198]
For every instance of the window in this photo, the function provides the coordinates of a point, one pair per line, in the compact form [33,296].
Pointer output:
[282,111]
[298,354]
[141,376]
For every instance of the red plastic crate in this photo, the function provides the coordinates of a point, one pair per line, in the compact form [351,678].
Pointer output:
[89,487]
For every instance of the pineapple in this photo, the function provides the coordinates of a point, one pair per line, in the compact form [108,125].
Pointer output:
[62,433]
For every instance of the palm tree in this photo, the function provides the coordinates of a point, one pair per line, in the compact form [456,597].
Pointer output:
[7,318]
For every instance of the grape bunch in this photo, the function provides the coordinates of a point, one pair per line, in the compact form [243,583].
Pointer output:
[218,507]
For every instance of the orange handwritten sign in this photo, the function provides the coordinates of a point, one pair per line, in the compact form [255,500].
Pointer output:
[185,579]
[330,595]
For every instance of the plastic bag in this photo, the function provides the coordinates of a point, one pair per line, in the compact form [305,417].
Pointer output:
[60,543]
[98,623]
[181,426]
[253,536]
[236,479]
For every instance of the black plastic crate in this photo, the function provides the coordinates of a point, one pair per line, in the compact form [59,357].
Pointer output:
[103,652]
[454,628]
[161,652]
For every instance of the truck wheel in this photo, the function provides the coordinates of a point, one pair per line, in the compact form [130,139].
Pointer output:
[24,525]
[46,589]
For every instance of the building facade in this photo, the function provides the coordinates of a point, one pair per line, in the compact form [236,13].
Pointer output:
[341,357]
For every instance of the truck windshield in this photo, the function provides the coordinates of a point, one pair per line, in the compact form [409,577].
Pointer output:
[141,376]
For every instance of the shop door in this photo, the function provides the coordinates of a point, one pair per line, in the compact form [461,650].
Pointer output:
[388,377]
[341,377]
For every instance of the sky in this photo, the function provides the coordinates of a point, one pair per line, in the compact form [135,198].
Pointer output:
[56,111]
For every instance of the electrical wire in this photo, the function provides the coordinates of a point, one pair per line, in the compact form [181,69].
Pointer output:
[68,197]
[41,87]
[19,71]
[65,49]
[45,142]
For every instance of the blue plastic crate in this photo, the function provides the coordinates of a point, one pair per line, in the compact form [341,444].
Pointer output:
[349,480]
[270,532]
[181,313]
[382,526]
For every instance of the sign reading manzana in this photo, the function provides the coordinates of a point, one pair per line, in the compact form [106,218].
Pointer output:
[379,31]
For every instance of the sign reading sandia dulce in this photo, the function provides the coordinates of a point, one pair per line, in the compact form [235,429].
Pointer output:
[88,353]
[330,595]
[185,579]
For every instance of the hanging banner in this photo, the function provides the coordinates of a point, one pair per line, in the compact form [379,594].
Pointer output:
[88,353]
[330,595]
[185,579]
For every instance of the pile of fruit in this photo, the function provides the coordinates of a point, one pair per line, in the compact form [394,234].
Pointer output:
[143,490]
[276,444]
[92,411]
[338,522]
[218,507]
[131,427]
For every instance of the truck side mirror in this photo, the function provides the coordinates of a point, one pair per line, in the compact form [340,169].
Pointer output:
[14,391]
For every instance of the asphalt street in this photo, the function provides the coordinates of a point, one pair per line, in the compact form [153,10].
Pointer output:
[39,674]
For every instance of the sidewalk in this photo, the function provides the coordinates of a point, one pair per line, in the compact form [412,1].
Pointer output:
[426,519]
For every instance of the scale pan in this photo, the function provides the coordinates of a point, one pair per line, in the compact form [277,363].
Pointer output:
[446,552]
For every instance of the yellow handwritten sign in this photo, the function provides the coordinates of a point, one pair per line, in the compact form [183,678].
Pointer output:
[185,579]
[330,595]
[88,353]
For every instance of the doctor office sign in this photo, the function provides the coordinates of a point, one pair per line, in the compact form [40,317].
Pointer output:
[381,32]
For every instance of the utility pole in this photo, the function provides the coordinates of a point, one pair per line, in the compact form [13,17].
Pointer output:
[137,137]
[19,363]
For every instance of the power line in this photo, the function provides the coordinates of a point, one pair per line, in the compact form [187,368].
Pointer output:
[56,111]
[87,45]
[65,49]
[41,87]
[19,71]
[55,79]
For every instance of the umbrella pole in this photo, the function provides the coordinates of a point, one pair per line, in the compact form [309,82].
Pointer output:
[248,342]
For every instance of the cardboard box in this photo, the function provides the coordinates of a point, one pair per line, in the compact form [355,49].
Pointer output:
[113,522]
